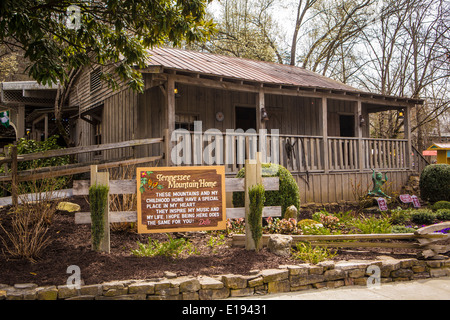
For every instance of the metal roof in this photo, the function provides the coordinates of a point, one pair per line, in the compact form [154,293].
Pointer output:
[267,73]
[239,68]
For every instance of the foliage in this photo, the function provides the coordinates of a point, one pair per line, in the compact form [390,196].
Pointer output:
[441,205]
[423,216]
[27,238]
[305,252]
[435,183]
[25,146]
[367,225]
[108,30]
[246,30]
[216,241]
[443,214]
[283,226]
[257,199]
[172,248]
[235,225]
[400,216]
[287,195]
[98,200]
[326,219]
[402,229]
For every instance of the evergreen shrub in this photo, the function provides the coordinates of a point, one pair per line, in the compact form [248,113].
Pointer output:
[287,194]
[435,183]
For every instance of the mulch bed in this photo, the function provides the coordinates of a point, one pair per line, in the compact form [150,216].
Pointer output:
[71,245]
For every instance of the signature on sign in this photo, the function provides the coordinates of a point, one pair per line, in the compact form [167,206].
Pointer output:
[204,222]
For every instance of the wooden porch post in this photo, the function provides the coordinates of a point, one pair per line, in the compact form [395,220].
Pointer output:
[324,127]
[407,129]
[20,121]
[359,135]
[260,104]
[169,116]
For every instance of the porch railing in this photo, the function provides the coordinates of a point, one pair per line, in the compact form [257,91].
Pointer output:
[298,153]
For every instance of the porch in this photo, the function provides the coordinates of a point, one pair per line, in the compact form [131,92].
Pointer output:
[298,153]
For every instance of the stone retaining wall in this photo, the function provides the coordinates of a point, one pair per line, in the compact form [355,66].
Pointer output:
[284,279]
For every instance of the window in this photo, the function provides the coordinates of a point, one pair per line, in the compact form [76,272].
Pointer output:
[185,121]
[95,81]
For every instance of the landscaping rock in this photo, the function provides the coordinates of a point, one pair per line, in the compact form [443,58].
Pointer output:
[68,207]
[291,212]
[279,286]
[47,293]
[280,244]
[234,281]
[271,275]
[213,294]
[210,283]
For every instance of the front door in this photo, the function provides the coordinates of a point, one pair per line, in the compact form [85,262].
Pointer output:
[245,118]
[347,125]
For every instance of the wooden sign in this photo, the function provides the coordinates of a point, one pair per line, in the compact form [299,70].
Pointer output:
[415,201]
[382,205]
[176,199]
[405,198]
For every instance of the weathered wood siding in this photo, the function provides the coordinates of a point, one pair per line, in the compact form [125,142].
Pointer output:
[293,115]
[332,187]
[119,122]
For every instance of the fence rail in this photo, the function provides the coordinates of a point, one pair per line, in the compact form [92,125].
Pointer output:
[423,239]
[48,172]
[81,188]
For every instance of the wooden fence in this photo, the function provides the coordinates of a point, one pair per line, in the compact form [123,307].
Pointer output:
[252,177]
[16,176]
[423,239]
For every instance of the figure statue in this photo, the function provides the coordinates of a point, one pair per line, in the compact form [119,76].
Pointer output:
[378,182]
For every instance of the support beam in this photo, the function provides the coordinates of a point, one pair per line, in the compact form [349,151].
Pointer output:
[260,104]
[20,121]
[324,128]
[359,134]
[407,130]
[170,113]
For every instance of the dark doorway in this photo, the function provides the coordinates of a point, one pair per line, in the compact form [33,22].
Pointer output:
[245,118]
[347,125]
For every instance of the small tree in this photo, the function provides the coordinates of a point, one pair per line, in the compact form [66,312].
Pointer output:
[257,199]
[98,200]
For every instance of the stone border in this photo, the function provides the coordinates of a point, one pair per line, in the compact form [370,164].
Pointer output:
[286,278]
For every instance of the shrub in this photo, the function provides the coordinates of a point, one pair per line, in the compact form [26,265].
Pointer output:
[283,226]
[435,183]
[328,220]
[441,205]
[26,235]
[423,216]
[305,252]
[400,216]
[25,146]
[443,214]
[402,229]
[172,248]
[98,200]
[257,199]
[373,225]
[287,195]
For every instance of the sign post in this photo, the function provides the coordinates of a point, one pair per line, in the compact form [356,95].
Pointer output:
[177,199]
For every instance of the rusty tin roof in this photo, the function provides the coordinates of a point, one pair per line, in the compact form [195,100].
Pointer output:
[241,69]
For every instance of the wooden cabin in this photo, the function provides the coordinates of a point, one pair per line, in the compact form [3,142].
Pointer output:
[323,125]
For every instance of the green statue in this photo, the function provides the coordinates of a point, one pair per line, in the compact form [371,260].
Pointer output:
[378,181]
